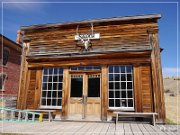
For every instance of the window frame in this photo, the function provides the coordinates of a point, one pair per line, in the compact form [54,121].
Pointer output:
[127,108]
[8,51]
[52,82]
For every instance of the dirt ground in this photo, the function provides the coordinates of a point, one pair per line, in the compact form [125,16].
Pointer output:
[172,98]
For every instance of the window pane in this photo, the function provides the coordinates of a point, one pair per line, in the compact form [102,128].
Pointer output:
[123,85]
[123,77]
[49,94]
[59,86]
[117,94]
[93,87]
[53,102]
[129,69]
[76,87]
[111,85]
[129,94]
[117,77]
[43,93]
[45,78]
[49,86]
[116,69]
[44,86]
[45,71]
[43,102]
[55,78]
[55,71]
[60,78]
[59,94]
[5,56]
[110,77]
[129,85]
[50,71]
[48,101]
[111,94]
[123,103]
[111,102]
[122,69]
[117,85]
[54,94]
[117,102]
[110,69]
[123,94]
[130,103]
[59,102]
[50,79]
[129,77]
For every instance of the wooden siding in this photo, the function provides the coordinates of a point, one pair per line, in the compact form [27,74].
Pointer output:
[142,88]
[125,37]
[146,91]
[30,99]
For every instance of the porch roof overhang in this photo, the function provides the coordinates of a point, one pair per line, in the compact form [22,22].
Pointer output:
[89,55]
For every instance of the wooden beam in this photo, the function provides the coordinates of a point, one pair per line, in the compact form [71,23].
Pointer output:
[65,93]
[104,92]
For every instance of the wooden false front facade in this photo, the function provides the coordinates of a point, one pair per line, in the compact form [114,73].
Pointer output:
[120,71]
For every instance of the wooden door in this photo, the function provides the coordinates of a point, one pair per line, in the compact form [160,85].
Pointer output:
[84,99]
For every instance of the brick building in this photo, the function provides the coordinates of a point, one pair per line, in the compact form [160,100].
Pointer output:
[10,69]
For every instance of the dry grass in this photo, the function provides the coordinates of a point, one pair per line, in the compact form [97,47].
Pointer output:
[172,98]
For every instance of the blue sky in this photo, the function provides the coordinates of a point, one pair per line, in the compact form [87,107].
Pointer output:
[16,15]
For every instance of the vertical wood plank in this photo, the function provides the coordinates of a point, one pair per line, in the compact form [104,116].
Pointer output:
[137,88]
[104,92]
[23,78]
[65,94]
[38,89]
[157,79]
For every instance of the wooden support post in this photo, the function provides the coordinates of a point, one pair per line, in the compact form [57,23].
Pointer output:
[104,92]
[157,79]
[65,93]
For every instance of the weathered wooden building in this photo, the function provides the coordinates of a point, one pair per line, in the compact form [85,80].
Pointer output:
[88,69]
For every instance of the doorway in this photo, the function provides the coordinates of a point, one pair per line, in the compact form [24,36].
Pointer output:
[85,97]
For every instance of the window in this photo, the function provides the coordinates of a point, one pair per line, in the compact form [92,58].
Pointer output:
[86,68]
[121,87]
[76,85]
[2,79]
[51,95]
[5,56]
[93,85]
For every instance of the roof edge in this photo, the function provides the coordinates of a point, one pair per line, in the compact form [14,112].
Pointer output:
[121,18]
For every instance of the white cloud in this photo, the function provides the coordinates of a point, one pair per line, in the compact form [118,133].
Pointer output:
[171,71]
[22,5]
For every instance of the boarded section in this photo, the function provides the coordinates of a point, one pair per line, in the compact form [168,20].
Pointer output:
[31,90]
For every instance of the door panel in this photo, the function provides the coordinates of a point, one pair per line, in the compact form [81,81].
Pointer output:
[85,97]
[76,91]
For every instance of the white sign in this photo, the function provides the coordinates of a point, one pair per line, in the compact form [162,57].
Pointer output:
[86,36]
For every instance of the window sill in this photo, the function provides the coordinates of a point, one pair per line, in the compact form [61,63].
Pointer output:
[50,107]
[124,109]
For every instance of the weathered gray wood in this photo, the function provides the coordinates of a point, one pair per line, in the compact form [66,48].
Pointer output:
[119,129]
[127,129]
[135,129]
[80,128]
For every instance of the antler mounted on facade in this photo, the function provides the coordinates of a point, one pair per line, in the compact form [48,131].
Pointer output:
[86,38]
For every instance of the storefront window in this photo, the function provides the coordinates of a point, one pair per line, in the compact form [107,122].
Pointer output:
[51,95]
[121,87]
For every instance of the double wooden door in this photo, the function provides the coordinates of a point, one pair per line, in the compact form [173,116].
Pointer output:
[85,97]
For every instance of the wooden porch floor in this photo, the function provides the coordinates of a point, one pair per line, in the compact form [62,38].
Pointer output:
[58,127]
